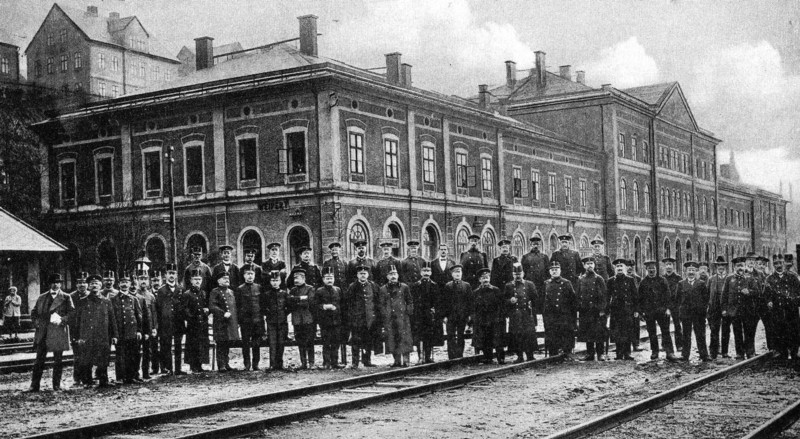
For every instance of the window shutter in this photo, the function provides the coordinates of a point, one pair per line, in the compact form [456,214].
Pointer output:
[525,193]
[471,176]
[283,161]
[517,187]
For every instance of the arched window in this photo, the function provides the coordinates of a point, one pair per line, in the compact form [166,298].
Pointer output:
[669,204]
[623,195]
[358,231]
[584,249]
[462,240]
[707,253]
[667,248]
[518,245]
[430,242]
[648,248]
[688,250]
[251,238]
[678,255]
[554,244]
[637,253]
[394,231]
[635,196]
[713,251]
[675,202]
[298,238]
[107,258]
[156,252]
[196,240]
[705,209]
[625,249]
[680,206]
[489,244]
[646,200]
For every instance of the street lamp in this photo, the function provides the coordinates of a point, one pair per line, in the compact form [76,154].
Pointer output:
[143,263]
[172,225]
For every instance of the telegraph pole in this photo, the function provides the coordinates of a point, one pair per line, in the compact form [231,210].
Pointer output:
[172,225]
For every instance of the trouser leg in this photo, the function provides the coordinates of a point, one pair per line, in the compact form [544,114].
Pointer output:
[714,324]
[677,324]
[178,350]
[725,335]
[699,327]
[652,334]
[750,324]
[154,355]
[590,352]
[136,356]
[38,365]
[165,353]
[738,336]
[58,368]
[102,374]
[686,325]
[460,341]
[452,348]
[246,343]
[666,340]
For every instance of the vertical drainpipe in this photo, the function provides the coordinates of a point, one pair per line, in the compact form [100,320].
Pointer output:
[319,172]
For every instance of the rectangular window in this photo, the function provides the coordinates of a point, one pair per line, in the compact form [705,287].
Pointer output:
[248,160]
[551,183]
[114,64]
[38,68]
[622,145]
[535,185]
[294,161]
[461,169]
[634,146]
[596,194]
[156,73]
[486,173]
[78,60]
[194,168]
[390,157]
[582,185]
[152,173]
[143,70]
[517,183]
[102,89]
[356,141]
[4,65]
[67,171]
[428,164]
[62,36]
[568,191]
[50,67]
[645,152]
[50,40]
[167,75]
[103,167]
[101,63]
[114,91]
[64,63]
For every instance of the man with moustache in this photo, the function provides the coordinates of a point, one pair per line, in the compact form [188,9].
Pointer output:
[171,324]
[50,317]
[472,261]
[95,330]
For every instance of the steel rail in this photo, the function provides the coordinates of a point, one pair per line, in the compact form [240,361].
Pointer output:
[777,424]
[633,411]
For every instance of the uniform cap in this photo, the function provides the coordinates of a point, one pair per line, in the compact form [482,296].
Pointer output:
[650,262]
[720,261]
[751,255]
[272,245]
[195,272]
[250,250]
[155,274]
[328,271]
[412,243]
[170,267]
[334,244]
[93,278]
[588,259]
[83,276]
[565,238]
[691,264]
[197,250]
[788,257]
[275,274]
[248,267]
[483,271]
[631,262]
[108,274]
[777,258]
[517,268]
[386,244]
[535,239]
[141,273]
[224,247]
[125,275]
[598,241]
[740,259]
[474,236]
[620,261]
[665,260]
[457,267]
[360,243]
[762,259]
[297,270]
[425,264]
[392,269]
[221,274]
[555,264]
[361,268]
[503,242]
[303,249]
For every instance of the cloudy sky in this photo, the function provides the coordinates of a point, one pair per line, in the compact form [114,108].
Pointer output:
[737,61]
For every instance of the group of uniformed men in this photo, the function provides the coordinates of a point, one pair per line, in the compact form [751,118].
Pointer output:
[402,304]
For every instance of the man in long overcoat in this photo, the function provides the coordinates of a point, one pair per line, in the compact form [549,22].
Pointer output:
[569,260]
[560,309]
[339,267]
[672,279]
[198,265]
[457,306]
[623,308]
[95,329]
[385,263]
[79,299]
[248,311]
[521,298]
[222,304]
[426,325]
[328,304]
[537,267]
[489,319]
[717,323]
[361,260]
[275,308]
[693,300]
[654,303]
[363,320]
[128,315]
[503,266]
[398,306]
[274,263]
[195,309]
[739,302]
[50,316]
[226,265]
[411,267]
[171,323]
[301,299]
[782,292]
[602,262]
[592,304]
[473,260]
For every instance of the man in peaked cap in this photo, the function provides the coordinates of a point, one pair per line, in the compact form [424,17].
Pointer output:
[717,323]
[94,330]
[693,300]
[739,303]
[473,260]
[226,265]
[503,265]
[274,263]
[128,315]
[250,259]
[397,310]
[673,279]
[782,293]
[383,265]
[489,319]
[623,303]
[426,322]
[222,304]
[205,272]
[520,297]
[171,324]
[592,303]
[248,311]
[362,300]
[410,268]
[536,266]
[50,316]
[568,259]
[457,306]
[361,260]
[328,304]
[603,265]
[313,277]
[80,298]
[149,324]
[195,306]
[560,312]
[274,307]
[654,306]
[108,291]
[301,301]
[338,266]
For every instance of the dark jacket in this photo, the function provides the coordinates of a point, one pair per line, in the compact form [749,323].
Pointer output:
[502,270]
[313,276]
[302,308]
[536,266]
[169,311]
[339,271]
[397,307]
[571,265]
[693,298]
[560,299]
[248,306]
[522,314]
[206,271]
[716,284]
[94,326]
[441,277]
[654,296]
[426,323]
[328,295]
[739,296]
[275,305]
[351,275]
[623,302]
[233,274]
[268,267]
[220,302]
[363,305]
[149,316]
[128,315]
[457,302]
[55,336]
[473,260]
[603,266]
[382,269]
[592,300]
[410,269]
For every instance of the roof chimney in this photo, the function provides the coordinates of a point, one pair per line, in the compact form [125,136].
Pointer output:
[91,11]
[308,35]
[114,15]
[393,67]
[541,73]
[580,77]
[565,72]
[405,74]
[483,96]
[606,86]
[204,52]
[511,73]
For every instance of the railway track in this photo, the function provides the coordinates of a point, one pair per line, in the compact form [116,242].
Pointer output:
[739,400]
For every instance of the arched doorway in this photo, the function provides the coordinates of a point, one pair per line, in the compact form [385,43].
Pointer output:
[625,249]
[394,232]
[688,250]
[298,237]
[251,238]
[156,252]
[678,256]
[554,244]
[489,244]
[462,240]
[430,242]
[107,256]
[637,253]
[667,248]
[358,232]
[196,240]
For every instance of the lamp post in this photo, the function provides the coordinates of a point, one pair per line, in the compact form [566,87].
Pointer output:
[172,226]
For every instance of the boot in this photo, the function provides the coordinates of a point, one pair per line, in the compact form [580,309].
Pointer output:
[429,354]
[368,359]
[310,355]
[356,352]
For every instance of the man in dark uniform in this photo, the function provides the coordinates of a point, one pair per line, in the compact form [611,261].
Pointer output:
[788,261]
[275,308]
[411,267]
[473,260]
[623,309]
[672,279]
[195,308]
[457,306]
[739,303]
[520,298]
[560,309]
[387,261]
[222,304]
[489,319]
[441,267]
[635,329]
[95,330]
[503,266]
[603,265]
[339,269]
[327,302]
[149,323]
[108,291]
[361,260]
[592,303]
[426,326]
[301,299]
[274,263]
[537,268]
[568,260]
[155,357]
[703,272]
[171,326]
[312,275]
[716,322]
[630,270]
[363,319]
[397,309]
[198,264]
[128,315]
[782,292]
[226,265]
[654,303]
[80,299]
[693,300]
[50,316]
[249,259]
[251,321]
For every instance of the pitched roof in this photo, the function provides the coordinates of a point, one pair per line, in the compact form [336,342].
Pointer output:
[19,236]
[555,85]
[654,94]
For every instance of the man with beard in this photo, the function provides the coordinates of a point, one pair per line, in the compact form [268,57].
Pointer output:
[489,319]
[128,315]
[198,265]
[196,310]
[251,321]
[301,298]
[426,326]
[472,261]
[274,263]
[623,305]
[592,302]
[361,260]
[274,306]
[327,302]
[339,269]
[693,299]
[171,326]
[783,297]
[95,330]
[603,266]
[672,279]
[411,267]
[397,310]
[560,308]
[716,322]
[569,260]
[739,303]
[654,303]
[536,266]
[503,266]
[457,307]
[226,265]
[383,266]
[363,305]
[521,299]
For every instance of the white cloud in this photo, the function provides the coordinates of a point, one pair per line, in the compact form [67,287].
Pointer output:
[626,64]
